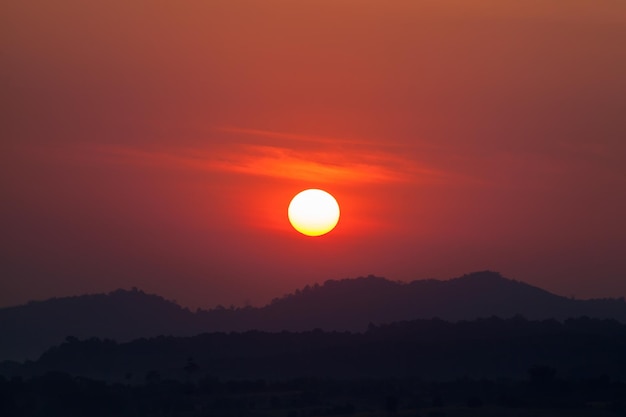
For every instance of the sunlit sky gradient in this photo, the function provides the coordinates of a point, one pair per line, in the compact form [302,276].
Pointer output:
[157,144]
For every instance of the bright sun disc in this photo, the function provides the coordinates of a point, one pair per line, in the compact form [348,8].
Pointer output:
[313,212]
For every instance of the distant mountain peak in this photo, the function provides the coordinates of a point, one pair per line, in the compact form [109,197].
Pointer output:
[486,275]
[370,279]
[345,304]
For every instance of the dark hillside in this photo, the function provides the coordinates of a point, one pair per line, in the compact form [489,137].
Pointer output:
[344,305]
[122,315]
[428,349]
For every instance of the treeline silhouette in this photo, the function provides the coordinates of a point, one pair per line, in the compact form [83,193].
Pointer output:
[541,393]
[429,349]
[344,305]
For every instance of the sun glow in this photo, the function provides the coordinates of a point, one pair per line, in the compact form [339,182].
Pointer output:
[313,212]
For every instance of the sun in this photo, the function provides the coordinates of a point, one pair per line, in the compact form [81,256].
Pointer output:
[313,212]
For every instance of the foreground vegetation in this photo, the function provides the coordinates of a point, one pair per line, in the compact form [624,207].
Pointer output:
[429,368]
[542,394]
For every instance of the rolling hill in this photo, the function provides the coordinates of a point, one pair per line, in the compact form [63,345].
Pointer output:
[337,305]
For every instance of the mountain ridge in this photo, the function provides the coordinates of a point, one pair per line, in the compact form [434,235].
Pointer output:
[336,305]
[433,349]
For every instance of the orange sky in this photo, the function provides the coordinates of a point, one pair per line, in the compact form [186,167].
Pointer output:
[157,144]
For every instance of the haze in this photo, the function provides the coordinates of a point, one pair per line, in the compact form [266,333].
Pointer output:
[157,144]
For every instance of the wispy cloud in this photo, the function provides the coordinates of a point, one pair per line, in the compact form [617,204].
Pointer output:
[323,166]
[340,159]
[295,137]
[316,160]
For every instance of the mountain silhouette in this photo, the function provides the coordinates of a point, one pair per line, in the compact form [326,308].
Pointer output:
[337,305]
[29,329]
[431,349]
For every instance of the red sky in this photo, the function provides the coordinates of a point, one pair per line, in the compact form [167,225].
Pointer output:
[157,144]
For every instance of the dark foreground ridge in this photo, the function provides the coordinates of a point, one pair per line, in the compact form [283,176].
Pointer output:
[345,305]
[429,349]
[543,393]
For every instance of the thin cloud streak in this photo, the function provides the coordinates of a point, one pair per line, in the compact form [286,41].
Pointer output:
[326,140]
[282,163]
[348,164]
[304,138]
[344,159]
